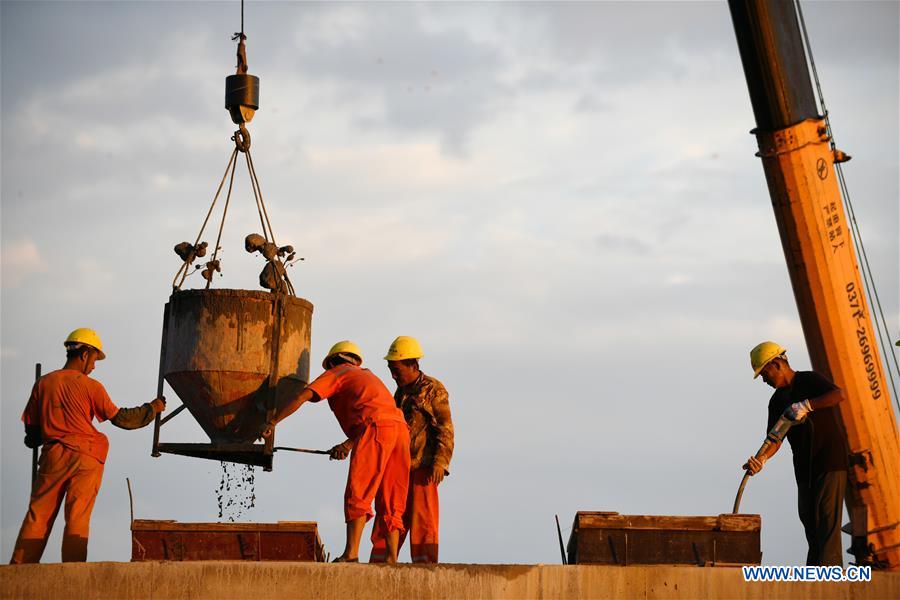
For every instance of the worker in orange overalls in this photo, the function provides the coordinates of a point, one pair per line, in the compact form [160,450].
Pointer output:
[59,416]
[426,408]
[379,462]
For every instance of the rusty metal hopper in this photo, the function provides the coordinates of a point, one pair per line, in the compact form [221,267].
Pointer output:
[220,352]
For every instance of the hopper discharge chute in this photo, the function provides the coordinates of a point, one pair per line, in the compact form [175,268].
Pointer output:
[224,351]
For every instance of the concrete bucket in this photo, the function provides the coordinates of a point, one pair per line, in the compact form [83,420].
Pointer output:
[223,352]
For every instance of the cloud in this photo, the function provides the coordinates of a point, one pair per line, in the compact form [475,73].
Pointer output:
[410,165]
[89,281]
[423,80]
[21,259]
[8,353]
[622,243]
[786,330]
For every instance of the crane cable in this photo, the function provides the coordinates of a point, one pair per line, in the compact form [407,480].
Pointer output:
[881,326]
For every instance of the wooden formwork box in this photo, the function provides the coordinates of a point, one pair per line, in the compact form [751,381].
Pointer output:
[171,540]
[608,538]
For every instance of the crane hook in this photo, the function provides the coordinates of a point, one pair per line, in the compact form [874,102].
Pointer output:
[241,138]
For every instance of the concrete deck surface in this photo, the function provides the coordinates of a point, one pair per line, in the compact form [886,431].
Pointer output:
[259,580]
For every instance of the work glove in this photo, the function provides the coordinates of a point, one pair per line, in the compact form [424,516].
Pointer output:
[341,451]
[158,404]
[437,475]
[754,465]
[798,410]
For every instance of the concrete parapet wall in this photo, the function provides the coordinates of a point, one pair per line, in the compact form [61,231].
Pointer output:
[259,580]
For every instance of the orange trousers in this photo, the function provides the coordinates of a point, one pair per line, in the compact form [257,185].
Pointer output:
[62,473]
[379,470]
[420,520]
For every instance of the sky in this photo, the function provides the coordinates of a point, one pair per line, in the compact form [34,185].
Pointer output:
[561,201]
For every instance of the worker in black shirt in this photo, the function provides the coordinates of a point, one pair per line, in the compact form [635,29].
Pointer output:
[817,442]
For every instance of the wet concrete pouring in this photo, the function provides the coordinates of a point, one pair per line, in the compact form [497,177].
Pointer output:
[236,493]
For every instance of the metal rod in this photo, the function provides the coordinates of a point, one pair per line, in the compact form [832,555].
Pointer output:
[276,448]
[34,467]
[697,554]
[562,550]
[34,451]
[172,414]
[130,500]
[161,377]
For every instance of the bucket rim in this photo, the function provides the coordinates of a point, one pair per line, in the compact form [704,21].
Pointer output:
[239,293]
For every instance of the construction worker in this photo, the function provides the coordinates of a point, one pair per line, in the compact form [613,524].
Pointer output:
[379,462]
[59,417]
[817,443]
[426,408]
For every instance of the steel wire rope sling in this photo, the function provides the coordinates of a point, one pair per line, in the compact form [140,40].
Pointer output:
[881,326]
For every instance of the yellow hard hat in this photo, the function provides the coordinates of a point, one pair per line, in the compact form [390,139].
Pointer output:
[89,337]
[762,354]
[404,347]
[343,347]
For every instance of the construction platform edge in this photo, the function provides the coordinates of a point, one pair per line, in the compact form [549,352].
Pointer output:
[259,580]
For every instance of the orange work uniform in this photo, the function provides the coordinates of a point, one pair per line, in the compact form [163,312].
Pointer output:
[63,404]
[420,521]
[379,461]
[426,408]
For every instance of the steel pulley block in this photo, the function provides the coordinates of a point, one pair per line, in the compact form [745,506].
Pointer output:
[242,97]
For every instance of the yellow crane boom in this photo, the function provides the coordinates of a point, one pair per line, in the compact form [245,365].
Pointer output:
[799,164]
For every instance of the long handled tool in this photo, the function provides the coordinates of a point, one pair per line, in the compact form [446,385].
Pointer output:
[301,450]
[34,451]
[562,549]
[774,437]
